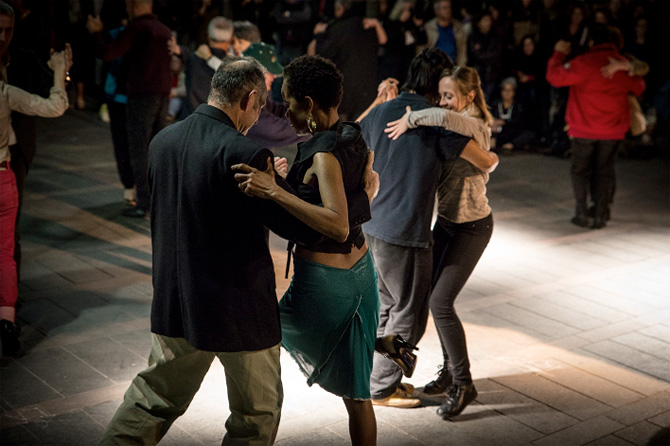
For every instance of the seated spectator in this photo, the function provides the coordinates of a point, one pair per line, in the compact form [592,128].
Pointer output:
[509,130]
[485,51]
[532,89]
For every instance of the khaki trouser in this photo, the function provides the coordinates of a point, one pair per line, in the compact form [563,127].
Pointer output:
[162,392]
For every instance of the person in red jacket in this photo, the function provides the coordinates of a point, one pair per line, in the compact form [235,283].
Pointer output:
[598,117]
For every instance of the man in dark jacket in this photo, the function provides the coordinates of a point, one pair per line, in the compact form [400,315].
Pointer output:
[213,278]
[147,79]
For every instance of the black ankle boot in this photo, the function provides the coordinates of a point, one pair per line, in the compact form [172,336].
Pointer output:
[9,332]
[458,397]
[439,384]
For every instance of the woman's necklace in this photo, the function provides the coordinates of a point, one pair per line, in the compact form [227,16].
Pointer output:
[505,115]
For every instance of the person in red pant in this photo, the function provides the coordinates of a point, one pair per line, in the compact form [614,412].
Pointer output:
[598,117]
[16,99]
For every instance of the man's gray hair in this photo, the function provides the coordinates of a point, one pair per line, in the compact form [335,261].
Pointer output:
[220,29]
[7,10]
[235,78]
[244,29]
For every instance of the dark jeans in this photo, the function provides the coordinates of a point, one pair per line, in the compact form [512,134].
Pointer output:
[117,125]
[146,116]
[404,285]
[593,171]
[457,249]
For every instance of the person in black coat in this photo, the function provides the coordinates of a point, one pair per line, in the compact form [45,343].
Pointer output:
[213,278]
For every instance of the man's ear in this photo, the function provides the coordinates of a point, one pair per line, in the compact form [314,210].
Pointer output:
[248,100]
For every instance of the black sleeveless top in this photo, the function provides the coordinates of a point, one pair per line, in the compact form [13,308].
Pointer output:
[344,141]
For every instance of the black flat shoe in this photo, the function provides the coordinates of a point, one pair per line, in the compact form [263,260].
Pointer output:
[395,348]
[439,384]
[580,220]
[9,332]
[135,212]
[458,398]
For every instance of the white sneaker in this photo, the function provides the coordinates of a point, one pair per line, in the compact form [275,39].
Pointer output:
[130,195]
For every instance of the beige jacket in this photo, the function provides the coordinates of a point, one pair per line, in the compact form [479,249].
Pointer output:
[432,33]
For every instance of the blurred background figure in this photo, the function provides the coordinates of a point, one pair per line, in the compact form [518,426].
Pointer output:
[147,81]
[509,130]
[352,42]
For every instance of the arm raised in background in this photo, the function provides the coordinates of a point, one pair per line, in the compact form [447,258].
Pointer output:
[31,104]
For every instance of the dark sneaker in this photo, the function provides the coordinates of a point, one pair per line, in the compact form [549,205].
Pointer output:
[439,384]
[458,397]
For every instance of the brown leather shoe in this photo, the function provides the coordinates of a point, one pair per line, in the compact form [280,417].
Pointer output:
[400,398]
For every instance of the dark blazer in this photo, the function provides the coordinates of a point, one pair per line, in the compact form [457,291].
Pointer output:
[213,276]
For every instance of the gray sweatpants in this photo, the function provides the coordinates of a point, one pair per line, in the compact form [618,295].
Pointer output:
[404,286]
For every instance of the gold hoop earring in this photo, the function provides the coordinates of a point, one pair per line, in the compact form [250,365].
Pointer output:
[311,123]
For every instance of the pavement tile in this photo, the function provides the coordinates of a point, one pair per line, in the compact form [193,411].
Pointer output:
[594,386]
[610,440]
[633,358]
[554,395]
[582,433]
[560,313]
[611,330]
[599,366]
[610,299]
[44,315]
[108,357]
[66,430]
[523,409]
[533,321]
[585,307]
[662,420]
[63,371]
[647,344]
[25,389]
[640,433]
[19,435]
[643,409]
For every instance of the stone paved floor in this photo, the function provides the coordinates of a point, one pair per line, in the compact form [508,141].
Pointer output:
[568,329]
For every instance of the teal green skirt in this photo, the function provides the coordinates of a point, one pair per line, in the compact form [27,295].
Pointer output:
[329,322]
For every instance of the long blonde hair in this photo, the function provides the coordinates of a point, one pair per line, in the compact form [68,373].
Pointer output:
[467,80]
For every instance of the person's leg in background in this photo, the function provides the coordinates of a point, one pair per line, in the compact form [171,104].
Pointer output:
[148,116]
[20,168]
[117,125]
[604,179]
[9,204]
[581,172]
